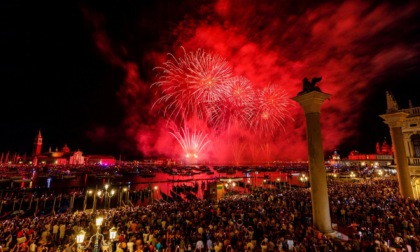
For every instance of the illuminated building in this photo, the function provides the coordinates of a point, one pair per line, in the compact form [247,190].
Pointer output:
[37,144]
[383,157]
[100,160]
[57,157]
[410,128]
[63,156]
[335,159]
[60,157]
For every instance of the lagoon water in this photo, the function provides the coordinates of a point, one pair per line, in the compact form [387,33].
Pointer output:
[42,192]
[161,182]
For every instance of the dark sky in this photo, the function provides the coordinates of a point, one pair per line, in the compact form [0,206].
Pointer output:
[81,72]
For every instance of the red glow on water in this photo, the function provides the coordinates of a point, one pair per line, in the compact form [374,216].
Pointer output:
[347,43]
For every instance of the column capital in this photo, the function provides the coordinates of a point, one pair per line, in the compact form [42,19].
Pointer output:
[394,120]
[311,102]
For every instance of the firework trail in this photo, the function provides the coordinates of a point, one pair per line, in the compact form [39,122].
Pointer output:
[192,142]
[266,151]
[238,147]
[192,85]
[270,111]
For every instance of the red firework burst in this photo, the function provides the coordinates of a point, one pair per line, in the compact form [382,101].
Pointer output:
[270,111]
[237,108]
[191,141]
[192,85]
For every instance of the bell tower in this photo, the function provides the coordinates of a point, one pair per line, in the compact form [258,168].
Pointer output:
[37,144]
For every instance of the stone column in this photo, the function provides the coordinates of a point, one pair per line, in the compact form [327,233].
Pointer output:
[311,103]
[395,121]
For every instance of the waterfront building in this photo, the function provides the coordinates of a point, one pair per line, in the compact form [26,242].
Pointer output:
[65,156]
[383,157]
[37,145]
[100,160]
[59,157]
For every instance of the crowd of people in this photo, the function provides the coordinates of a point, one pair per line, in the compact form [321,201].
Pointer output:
[371,214]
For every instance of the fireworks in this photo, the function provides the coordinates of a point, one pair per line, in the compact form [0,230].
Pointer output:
[192,142]
[241,98]
[192,85]
[199,89]
[237,105]
[270,111]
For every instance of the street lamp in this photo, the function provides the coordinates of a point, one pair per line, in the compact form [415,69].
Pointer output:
[154,192]
[107,194]
[99,221]
[99,194]
[90,193]
[255,180]
[304,179]
[112,233]
[80,237]
[112,236]
[123,192]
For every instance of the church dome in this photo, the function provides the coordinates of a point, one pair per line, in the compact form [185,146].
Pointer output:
[65,149]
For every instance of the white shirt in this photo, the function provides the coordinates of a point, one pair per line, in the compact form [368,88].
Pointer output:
[130,246]
[199,244]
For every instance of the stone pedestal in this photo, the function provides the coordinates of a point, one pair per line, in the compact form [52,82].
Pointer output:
[394,121]
[311,103]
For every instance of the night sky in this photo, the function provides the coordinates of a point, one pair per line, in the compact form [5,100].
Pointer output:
[82,72]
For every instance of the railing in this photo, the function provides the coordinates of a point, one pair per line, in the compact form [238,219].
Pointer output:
[414,161]
[412,111]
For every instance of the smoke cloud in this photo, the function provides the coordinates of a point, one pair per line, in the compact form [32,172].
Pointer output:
[348,43]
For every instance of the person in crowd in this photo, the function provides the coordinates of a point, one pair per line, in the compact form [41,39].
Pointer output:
[372,214]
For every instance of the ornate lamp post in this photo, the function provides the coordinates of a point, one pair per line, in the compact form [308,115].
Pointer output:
[112,236]
[80,237]
[304,179]
[99,194]
[352,175]
[99,221]
[107,194]
[155,188]
[255,179]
